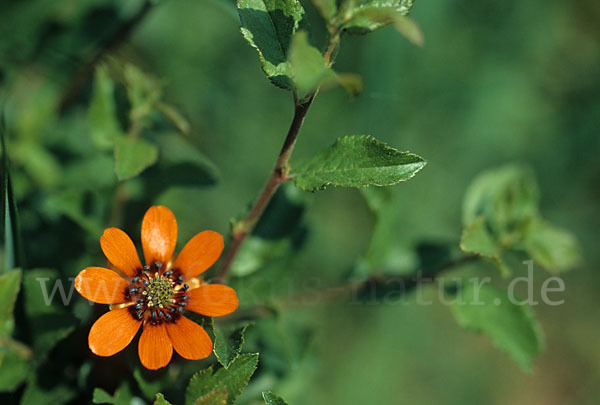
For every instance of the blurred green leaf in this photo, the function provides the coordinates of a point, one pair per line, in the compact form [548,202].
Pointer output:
[273,399]
[46,298]
[357,161]
[70,204]
[160,400]
[132,156]
[554,248]
[102,115]
[101,397]
[234,379]
[255,252]
[36,393]
[14,364]
[512,327]
[150,383]
[144,93]
[501,214]
[268,26]
[507,197]
[122,396]
[327,8]
[309,69]
[476,238]
[386,252]
[375,14]
[228,343]
[10,283]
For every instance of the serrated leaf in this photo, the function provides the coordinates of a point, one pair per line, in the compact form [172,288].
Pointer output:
[357,161]
[160,400]
[234,379]
[132,156]
[216,397]
[273,399]
[308,67]
[268,26]
[553,248]
[375,14]
[10,284]
[228,343]
[512,327]
[102,114]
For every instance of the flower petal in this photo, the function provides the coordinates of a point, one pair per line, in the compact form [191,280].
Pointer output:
[201,252]
[112,332]
[159,234]
[189,339]
[155,348]
[212,300]
[101,285]
[120,251]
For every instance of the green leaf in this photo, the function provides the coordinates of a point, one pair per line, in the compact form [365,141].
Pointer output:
[46,297]
[102,114]
[308,67]
[255,252]
[387,252]
[216,397]
[273,399]
[234,379]
[132,156]
[357,161]
[14,364]
[228,343]
[553,248]
[70,203]
[39,394]
[122,396]
[149,383]
[10,283]
[10,248]
[268,26]
[101,397]
[327,8]
[476,238]
[375,14]
[512,327]
[143,91]
[160,400]
[507,197]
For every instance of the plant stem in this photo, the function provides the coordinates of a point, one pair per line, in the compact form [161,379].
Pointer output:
[353,288]
[278,175]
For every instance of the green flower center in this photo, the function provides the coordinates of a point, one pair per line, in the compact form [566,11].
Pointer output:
[159,292]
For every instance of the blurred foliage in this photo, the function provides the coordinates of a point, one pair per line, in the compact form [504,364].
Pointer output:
[111,107]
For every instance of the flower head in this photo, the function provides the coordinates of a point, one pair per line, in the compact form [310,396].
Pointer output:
[155,295]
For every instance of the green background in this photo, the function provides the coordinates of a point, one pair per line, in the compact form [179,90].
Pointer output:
[495,83]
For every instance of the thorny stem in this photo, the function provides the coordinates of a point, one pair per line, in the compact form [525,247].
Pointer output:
[280,172]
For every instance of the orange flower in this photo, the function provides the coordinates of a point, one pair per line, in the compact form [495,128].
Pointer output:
[155,295]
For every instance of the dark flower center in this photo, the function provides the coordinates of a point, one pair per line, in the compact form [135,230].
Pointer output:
[157,296]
